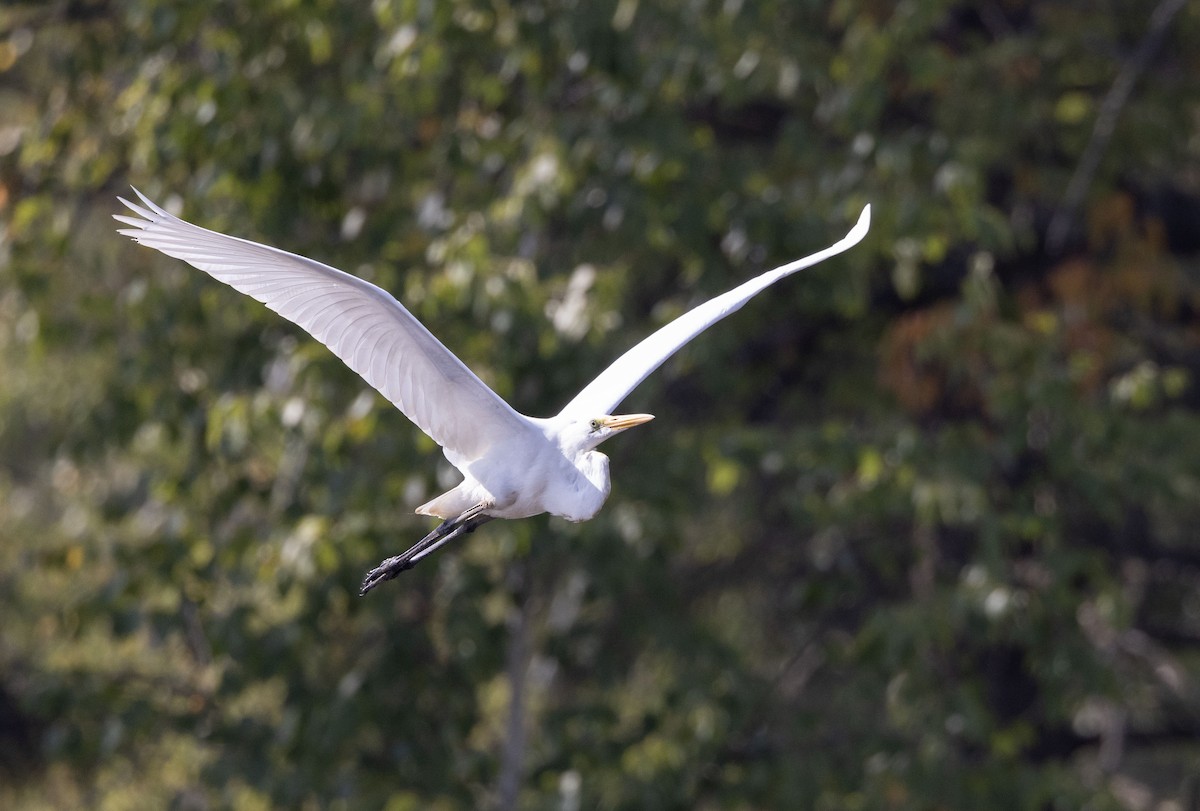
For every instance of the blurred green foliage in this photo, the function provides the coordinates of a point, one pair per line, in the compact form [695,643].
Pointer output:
[919,529]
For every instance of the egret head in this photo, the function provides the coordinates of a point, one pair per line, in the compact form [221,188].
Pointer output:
[586,434]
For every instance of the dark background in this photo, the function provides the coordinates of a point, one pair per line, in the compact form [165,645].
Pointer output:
[919,528]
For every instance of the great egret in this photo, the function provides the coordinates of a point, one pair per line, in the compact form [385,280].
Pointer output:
[513,466]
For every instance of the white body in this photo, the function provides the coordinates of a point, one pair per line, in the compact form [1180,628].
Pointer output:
[513,466]
[529,474]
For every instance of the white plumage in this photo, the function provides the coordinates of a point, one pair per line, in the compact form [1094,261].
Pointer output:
[513,466]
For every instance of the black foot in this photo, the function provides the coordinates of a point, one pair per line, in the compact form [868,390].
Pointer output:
[385,571]
[445,531]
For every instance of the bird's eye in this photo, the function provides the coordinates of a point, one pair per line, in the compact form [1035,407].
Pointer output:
[595,425]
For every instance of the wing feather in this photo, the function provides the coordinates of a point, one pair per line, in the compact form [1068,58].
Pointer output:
[362,324]
[615,383]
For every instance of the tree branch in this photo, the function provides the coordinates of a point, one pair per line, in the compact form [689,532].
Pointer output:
[512,757]
[1106,121]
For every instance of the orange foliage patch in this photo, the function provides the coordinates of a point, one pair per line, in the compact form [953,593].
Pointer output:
[918,383]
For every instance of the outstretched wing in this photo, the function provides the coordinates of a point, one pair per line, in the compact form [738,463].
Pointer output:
[615,383]
[363,325]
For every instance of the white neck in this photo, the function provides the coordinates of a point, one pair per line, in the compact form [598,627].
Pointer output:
[584,494]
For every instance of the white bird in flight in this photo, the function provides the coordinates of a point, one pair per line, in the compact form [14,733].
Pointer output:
[513,466]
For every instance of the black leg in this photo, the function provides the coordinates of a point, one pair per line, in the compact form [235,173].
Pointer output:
[444,532]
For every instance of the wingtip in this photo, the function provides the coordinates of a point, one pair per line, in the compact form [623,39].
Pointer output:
[148,208]
[150,204]
[863,225]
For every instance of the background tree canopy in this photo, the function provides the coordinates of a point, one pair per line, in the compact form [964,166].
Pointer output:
[919,529]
